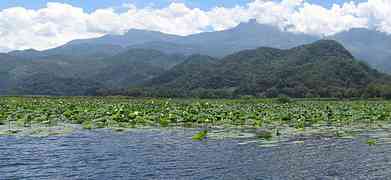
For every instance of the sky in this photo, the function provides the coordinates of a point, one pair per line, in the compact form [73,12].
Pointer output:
[44,24]
[90,5]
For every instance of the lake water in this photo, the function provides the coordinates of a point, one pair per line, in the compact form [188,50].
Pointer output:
[171,154]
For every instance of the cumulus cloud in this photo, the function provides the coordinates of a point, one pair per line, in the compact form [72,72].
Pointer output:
[58,23]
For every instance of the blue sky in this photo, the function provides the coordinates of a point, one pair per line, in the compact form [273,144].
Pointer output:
[90,5]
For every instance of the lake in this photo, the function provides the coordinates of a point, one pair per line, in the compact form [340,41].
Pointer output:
[171,154]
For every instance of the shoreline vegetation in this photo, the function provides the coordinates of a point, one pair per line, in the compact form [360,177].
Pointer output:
[272,120]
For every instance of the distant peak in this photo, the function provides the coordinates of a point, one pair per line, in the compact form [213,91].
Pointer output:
[31,50]
[253,24]
[252,21]
[360,29]
[361,33]
[366,31]
[25,50]
[357,31]
[144,31]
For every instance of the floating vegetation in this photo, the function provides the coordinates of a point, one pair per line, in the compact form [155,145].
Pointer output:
[371,142]
[200,135]
[263,119]
[87,125]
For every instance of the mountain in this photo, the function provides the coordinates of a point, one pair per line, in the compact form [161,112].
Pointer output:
[8,63]
[135,66]
[78,75]
[132,37]
[51,84]
[218,44]
[169,47]
[44,76]
[28,53]
[248,35]
[188,74]
[370,46]
[321,69]
[141,57]
[75,51]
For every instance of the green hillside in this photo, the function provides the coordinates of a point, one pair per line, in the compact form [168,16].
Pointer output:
[322,69]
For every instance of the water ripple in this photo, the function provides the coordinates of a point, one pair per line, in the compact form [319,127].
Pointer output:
[171,154]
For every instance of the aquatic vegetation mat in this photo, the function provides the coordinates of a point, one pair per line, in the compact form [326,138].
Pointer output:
[264,119]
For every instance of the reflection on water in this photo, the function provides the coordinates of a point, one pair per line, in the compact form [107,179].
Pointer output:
[171,154]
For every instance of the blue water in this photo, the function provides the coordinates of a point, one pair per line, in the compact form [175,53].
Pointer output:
[171,154]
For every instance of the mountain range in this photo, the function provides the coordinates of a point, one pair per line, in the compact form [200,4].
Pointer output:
[370,46]
[321,69]
[251,59]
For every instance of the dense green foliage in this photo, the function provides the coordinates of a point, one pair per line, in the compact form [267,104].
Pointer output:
[321,69]
[75,75]
[130,113]
[134,67]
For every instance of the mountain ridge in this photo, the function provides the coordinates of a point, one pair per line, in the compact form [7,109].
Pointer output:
[369,46]
[321,69]
[246,46]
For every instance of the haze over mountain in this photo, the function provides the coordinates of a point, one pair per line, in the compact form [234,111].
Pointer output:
[219,43]
[132,37]
[83,50]
[370,46]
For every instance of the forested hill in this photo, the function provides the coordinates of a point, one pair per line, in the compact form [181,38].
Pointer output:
[79,74]
[321,69]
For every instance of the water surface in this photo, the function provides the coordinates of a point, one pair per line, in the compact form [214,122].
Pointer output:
[171,154]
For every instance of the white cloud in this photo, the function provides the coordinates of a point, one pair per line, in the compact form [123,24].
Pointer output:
[314,19]
[59,23]
[44,28]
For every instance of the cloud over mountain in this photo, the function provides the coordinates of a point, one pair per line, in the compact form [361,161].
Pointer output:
[58,23]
